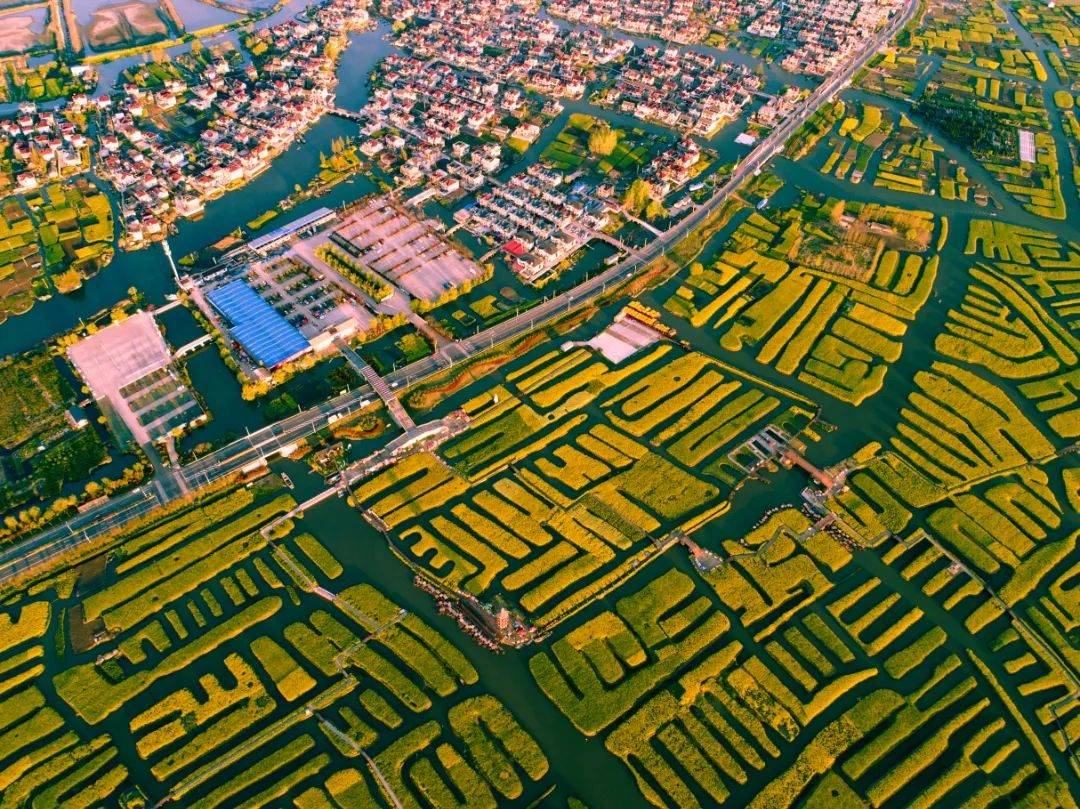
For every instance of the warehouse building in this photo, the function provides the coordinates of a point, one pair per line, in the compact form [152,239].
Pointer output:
[253,323]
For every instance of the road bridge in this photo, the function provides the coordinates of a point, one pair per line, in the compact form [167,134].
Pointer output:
[348,115]
[24,556]
[378,384]
[347,740]
[194,345]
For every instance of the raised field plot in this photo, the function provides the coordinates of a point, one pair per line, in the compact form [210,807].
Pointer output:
[1019,318]
[1022,154]
[33,398]
[573,470]
[209,660]
[906,159]
[980,81]
[824,292]
[855,142]
[980,442]
[800,675]
[1000,393]
[972,35]
[964,28]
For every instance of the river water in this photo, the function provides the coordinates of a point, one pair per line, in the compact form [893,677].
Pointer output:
[147,269]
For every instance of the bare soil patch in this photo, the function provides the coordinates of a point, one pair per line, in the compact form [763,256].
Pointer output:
[125,24]
[23,30]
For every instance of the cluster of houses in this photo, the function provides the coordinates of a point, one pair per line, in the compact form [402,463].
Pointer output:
[248,115]
[537,222]
[818,35]
[687,91]
[671,20]
[43,146]
[673,168]
[434,114]
[777,108]
[508,43]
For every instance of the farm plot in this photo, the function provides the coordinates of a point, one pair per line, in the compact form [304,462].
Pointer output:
[1071,126]
[571,468]
[75,225]
[951,35]
[1059,25]
[843,685]
[817,126]
[33,398]
[894,74]
[855,142]
[965,29]
[1006,129]
[1016,321]
[1006,544]
[909,160]
[958,428]
[574,146]
[1000,394]
[21,277]
[1014,534]
[40,756]
[237,687]
[821,294]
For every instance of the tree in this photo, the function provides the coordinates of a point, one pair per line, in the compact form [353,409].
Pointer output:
[602,140]
[67,281]
[637,196]
[655,210]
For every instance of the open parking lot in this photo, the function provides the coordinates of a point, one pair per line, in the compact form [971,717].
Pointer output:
[406,251]
[128,366]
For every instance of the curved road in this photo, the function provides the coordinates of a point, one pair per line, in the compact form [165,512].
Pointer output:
[39,549]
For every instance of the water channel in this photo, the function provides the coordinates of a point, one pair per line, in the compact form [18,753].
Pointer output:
[580,765]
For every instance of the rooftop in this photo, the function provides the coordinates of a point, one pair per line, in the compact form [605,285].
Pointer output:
[286,230]
[120,353]
[256,325]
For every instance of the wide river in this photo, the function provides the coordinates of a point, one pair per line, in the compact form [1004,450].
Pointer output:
[577,762]
[148,270]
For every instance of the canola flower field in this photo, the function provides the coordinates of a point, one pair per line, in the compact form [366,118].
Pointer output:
[890,621]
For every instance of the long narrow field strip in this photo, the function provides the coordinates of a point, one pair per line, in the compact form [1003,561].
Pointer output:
[697,715]
[567,473]
[826,301]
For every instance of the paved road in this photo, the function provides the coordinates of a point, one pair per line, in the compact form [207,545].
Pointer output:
[42,547]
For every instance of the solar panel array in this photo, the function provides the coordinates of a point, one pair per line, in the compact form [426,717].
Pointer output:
[256,325]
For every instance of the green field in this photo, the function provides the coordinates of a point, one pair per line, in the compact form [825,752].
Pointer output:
[212,721]
[571,467]
[818,292]
[788,519]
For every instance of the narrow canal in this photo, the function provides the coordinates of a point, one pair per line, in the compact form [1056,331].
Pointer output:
[147,269]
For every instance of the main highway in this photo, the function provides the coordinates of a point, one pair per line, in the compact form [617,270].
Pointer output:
[252,450]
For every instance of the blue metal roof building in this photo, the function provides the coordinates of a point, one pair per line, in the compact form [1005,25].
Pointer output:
[256,325]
